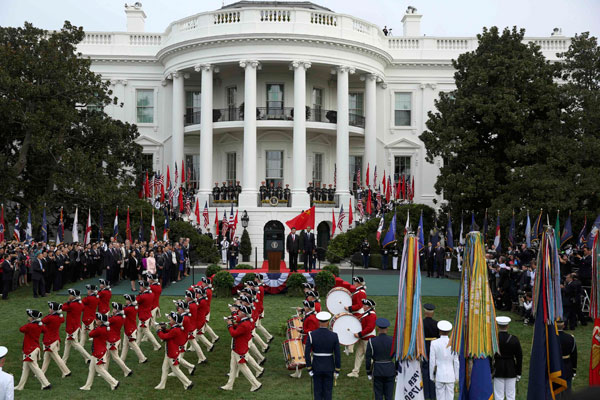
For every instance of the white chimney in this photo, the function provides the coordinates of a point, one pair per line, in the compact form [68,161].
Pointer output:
[136,17]
[411,22]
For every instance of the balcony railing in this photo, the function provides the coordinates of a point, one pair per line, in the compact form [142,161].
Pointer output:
[356,120]
[275,114]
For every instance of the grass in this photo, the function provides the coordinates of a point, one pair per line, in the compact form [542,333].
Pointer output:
[209,377]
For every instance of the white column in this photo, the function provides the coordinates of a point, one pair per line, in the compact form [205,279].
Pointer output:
[248,197]
[177,123]
[206,131]
[300,198]
[370,121]
[343,138]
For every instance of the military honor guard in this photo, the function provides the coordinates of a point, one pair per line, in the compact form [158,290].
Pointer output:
[145,300]
[380,365]
[313,295]
[98,364]
[7,382]
[358,295]
[74,309]
[241,333]
[568,349]
[431,333]
[31,350]
[192,314]
[172,335]
[443,364]
[203,310]
[323,361]
[90,304]
[51,340]
[507,363]
[156,289]
[131,311]
[254,357]
[206,285]
[116,322]
[182,342]
[104,296]
[367,322]
[224,250]
[260,288]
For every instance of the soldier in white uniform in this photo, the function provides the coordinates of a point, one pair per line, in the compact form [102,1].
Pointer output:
[7,382]
[224,248]
[443,364]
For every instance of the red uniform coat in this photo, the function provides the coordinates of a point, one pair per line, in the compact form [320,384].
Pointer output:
[116,323]
[31,341]
[144,301]
[367,321]
[317,306]
[104,304]
[189,325]
[309,324]
[357,297]
[74,310]
[90,303]
[202,310]
[130,319]
[99,336]
[156,292]
[51,334]
[173,337]
[241,334]
[209,294]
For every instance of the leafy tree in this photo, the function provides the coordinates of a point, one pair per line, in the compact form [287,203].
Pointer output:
[54,148]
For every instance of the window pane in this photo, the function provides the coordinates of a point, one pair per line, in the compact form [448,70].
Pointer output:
[145,105]
[145,115]
[274,166]
[402,118]
[231,96]
[231,168]
[403,101]
[192,99]
[402,167]
[356,103]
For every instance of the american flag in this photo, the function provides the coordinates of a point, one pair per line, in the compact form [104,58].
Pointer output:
[225,225]
[176,175]
[231,221]
[341,217]
[334,175]
[205,215]
[171,194]
[358,178]
[158,181]
[378,199]
[375,177]
[188,205]
[359,205]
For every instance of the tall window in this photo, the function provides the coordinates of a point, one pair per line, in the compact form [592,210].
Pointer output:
[355,165]
[274,168]
[317,175]
[147,162]
[274,100]
[402,109]
[231,168]
[192,169]
[231,93]
[355,103]
[145,106]
[192,108]
[402,167]
[317,100]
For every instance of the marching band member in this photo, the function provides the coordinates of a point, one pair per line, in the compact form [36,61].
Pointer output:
[359,294]
[145,300]
[104,294]
[131,312]
[443,364]
[254,303]
[31,349]
[98,366]
[90,303]
[172,337]
[74,308]
[189,326]
[156,288]
[241,333]
[205,284]
[367,322]
[254,357]
[313,295]
[260,288]
[116,322]
[309,324]
[203,310]
[51,341]
[190,299]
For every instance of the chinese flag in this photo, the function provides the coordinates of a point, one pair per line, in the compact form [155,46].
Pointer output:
[182,173]
[369,203]
[197,213]
[162,192]
[350,217]
[332,222]
[217,220]
[367,178]
[146,187]
[595,355]
[303,220]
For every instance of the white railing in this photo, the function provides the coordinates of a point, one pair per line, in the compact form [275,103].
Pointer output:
[230,17]
[552,44]
[188,25]
[145,39]
[360,26]
[320,18]
[452,44]
[402,43]
[97,38]
[275,16]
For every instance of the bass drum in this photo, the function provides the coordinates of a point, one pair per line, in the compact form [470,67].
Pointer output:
[345,325]
[338,299]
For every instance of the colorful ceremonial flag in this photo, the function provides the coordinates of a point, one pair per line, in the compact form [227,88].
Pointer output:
[235,222]
[511,231]
[497,243]
[141,230]
[303,220]
[545,369]
[595,226]
[390,236]
[341,217]
[403,187]
[472,227]
[367,177]
[358,178]
[44,226]
[224,224]
[485,227]
[380,227]
[333,225]
[421,233]
[582,234]
[75,230]
[166,227]
[360,207]
[594,370]
[180,202]
[350,216]
[536,231]
[205,215]
[116,225]
[175,183]
[230,223]
[2,223]
[17,228]
[557,230]
[412,189]
[101,225]
[168,182]
[407,225]
[60,232]
[378,197]
[162,191]
[449,235]
[152,228]
[87,235]
[29,229]
[369,200]
[528,231]
[461,236]
[128,228]
[388,192]
[567,231]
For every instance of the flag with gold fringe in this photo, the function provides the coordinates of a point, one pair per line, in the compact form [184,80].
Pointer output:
[475,337]
[409,338]
[545,380]
[595,312]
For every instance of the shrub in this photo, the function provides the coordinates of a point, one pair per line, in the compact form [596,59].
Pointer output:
[324,281]
[212,269]
[249,277]
[223,282]
[294,284]
[202,247]
[245,246]
[244,266]
[334,269]
[375,261]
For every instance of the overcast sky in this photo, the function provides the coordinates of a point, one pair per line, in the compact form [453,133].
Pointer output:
[440,17]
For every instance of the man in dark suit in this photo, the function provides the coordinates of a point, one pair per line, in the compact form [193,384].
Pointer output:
[380,365]
[507,363]
[292,246]
[309,249]
[37,274]
[431,332]
[324,363]
[109,263]
[8,271]
[440,260]
[429,256]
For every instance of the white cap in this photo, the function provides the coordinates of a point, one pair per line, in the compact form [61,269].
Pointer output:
[323,316]
[3,351]
[502,320]
[444,326]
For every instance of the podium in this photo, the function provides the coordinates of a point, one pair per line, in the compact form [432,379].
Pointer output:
[274,258]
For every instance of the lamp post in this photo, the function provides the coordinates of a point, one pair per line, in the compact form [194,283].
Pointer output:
[246,246]
[245,219]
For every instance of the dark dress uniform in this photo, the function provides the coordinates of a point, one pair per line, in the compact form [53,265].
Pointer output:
[381,366]
[311,192]
[568,349]
[431,332]
[216,191]
[324,361]
[263,192]
[286,193]
[508,362]
[8,270]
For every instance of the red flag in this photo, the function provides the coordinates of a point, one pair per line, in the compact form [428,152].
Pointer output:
[168,182]
[197,212]
[181,201]
[350,217]
[397,196]
[182,173]
[595,355]
[384,187]
[367,177]
[412,189]
[146,187]
[369,203]
[332,222]
[162,192]
[217,221]
[2,224]
[128,228]
[304,219]
[388,193]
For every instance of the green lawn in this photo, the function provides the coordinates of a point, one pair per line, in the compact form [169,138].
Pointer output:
[208,377]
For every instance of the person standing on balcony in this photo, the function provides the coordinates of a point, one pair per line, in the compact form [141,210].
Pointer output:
[216,191]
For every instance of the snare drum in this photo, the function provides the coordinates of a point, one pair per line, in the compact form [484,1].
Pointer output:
[293,351]
[345,325]
[338,299]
